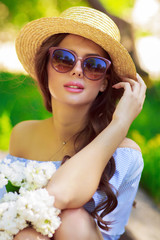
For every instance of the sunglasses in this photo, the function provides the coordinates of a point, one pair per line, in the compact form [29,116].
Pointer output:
[64,60]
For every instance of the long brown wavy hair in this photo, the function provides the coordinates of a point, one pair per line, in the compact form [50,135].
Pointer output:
[99,116]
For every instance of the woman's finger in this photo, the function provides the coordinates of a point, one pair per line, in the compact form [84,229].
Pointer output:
[134,84]
[143,86]
[125,85]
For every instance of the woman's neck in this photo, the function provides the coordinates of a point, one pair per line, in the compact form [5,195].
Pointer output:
[68,120]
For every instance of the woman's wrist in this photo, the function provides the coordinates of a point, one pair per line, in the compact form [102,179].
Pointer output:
[121,125]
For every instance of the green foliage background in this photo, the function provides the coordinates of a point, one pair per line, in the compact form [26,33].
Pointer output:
[15,13]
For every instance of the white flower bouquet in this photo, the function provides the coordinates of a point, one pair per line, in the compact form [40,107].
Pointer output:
[26,201]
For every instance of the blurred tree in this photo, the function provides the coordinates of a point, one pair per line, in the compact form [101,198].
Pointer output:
[18,12]
[62,5]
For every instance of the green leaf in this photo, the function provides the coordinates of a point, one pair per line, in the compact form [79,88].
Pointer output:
[12,188]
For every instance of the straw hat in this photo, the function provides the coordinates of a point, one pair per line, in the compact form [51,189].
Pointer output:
[83,21]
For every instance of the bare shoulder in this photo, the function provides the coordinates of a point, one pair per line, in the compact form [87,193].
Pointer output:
[21,133]
[24,126]
[22,136]
[129,143]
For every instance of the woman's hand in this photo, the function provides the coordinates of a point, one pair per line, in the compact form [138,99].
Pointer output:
[131,103]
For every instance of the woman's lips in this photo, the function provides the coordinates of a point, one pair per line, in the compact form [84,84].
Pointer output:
[74,87]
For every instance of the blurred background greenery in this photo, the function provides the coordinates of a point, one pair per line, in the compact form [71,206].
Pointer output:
[20,99]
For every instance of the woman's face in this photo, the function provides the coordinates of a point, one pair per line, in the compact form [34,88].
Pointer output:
[62,85]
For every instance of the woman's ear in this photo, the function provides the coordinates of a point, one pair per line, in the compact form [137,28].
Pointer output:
[104,85]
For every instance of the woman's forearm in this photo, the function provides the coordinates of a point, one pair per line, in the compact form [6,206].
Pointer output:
[75,182]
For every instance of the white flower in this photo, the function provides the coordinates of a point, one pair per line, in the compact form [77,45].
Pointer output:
[3,180]
[17,173]
[10,222]
[13,172]
[37,174]
[3,208]
[33,205]
[9,197]
[5,236]
[37,207]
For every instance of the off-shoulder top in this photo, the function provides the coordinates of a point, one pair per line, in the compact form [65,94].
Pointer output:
[129,166]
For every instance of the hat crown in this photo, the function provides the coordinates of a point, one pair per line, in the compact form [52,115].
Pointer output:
[93,18]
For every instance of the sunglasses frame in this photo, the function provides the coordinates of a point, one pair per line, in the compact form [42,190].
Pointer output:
[82,59]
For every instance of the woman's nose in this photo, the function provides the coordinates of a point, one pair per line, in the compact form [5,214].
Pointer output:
[77,70]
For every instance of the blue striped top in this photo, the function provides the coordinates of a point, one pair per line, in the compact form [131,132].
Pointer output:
[129,166]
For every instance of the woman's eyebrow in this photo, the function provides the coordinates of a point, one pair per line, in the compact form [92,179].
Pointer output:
[91,54]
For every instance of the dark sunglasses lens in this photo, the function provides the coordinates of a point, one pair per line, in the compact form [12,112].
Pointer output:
[94,68]
[62,60]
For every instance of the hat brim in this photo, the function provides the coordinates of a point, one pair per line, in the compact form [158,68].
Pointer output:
[34,33]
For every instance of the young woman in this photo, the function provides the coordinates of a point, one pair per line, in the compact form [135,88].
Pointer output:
[89,83]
